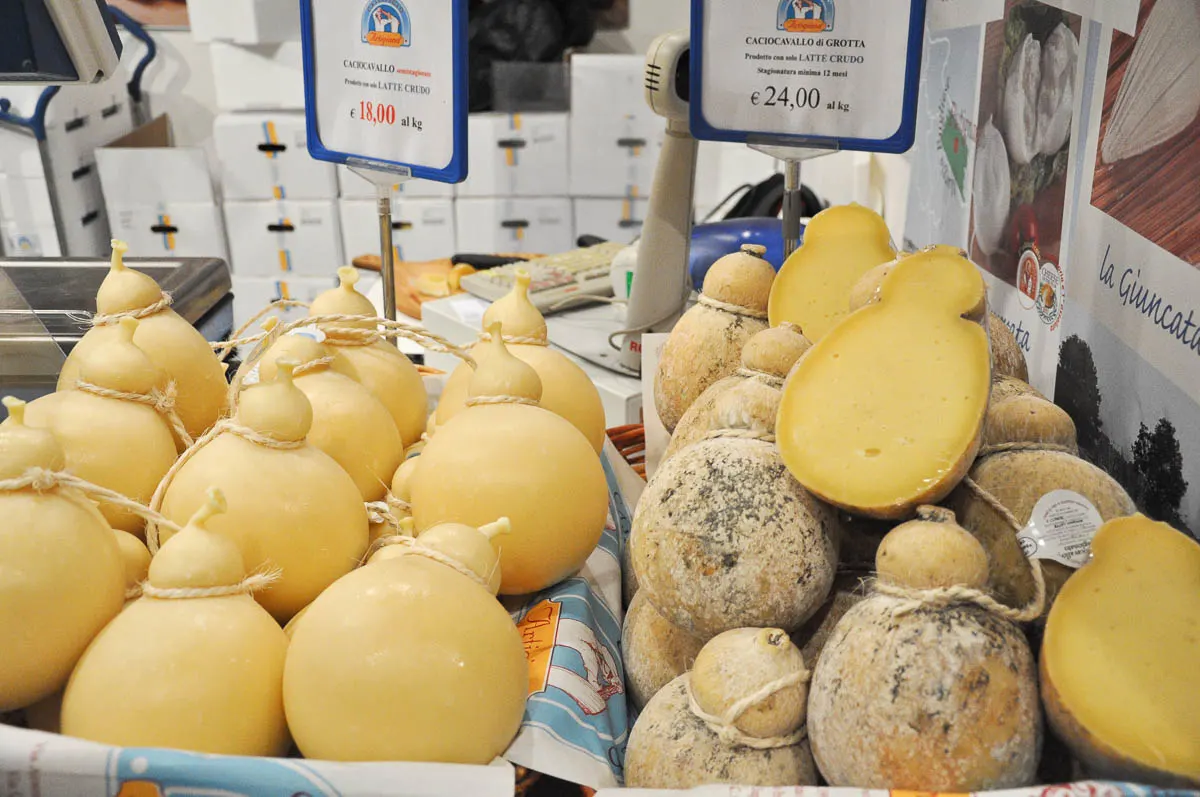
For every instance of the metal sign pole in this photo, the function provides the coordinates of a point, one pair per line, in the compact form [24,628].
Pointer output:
[387,253]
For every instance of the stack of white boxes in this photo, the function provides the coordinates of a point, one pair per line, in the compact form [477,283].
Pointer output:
[280,205]
[422,218]
[515,198]
[615,143]
[50,199]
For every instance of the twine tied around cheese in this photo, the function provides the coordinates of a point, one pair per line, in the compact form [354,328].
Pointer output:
[42,480]
[344,337]
[311,365]
[221,427]
[913,599]
[514,340]
[770,380]
[732,309]
[109,319]
[250,584]
[161,401]
[412,547]
[475,401]
[385,511]
[239,337]
[741,434]
[724,726]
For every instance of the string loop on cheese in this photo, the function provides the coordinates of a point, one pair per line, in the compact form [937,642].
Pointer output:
[109,319]
[724,727]
[385,512]
[312,365]
[478,400]
[515,340]
[223,347]
[732,309]
[412,547]
[913,599]
[221,427]
[42,480]
[770,380]
[742,434]
[250,584]
[161,401]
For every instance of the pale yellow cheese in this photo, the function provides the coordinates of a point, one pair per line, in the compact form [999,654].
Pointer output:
[886,412]
[1121,656]
[813,288]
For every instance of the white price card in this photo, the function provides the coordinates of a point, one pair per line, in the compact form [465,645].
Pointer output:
[837,74]
[385,84]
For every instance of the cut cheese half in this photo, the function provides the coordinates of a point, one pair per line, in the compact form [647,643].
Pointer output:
[813,288]
[1121,656]
[886,411]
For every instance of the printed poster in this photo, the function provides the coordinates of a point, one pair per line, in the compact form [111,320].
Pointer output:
[1129,370]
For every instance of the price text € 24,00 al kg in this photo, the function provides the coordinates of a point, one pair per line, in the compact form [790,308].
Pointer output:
[795,99]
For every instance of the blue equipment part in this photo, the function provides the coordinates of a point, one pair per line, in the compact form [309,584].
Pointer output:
[712,241]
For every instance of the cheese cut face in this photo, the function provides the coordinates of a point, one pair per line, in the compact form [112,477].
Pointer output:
[886,411]
[1121,655]
[813,288]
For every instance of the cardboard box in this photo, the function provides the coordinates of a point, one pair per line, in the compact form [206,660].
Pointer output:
[536,225]
[160,199]
[422,229]
[615,137]
[517,155]
[258,78]
[289,238]
[27,217]
[244,21]
[611,219]
[265,156]
[351,186]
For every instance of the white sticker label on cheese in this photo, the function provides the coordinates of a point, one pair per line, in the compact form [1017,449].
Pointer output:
[1061,528]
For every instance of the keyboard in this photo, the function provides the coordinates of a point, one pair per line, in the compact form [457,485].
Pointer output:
[580,272]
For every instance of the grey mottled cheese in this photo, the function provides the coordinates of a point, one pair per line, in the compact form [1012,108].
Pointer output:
[725,538]
[940,699]
[670,748]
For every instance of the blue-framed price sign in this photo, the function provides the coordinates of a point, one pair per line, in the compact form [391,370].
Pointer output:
[837,74]
[385,85]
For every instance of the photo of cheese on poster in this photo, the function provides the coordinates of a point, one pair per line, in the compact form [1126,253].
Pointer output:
[1026,108]
[1150,129]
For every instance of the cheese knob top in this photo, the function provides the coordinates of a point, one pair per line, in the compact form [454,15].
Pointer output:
[277,409]
[473,547]
[774,351]
[743,278]
[501,374]
[118,364]
[344,300]
[299,348]
[198,557]
[23,447]
[124,289]
[930,552]
[518,315]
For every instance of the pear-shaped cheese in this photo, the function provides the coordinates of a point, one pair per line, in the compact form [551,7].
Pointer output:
[706,344]
[1120,656]
[170,342]
[291,507]
[813,289]
[566,388]
[518,461]
[349,423]
[122,445]
[886,411]
[191,665]
[767,359]
[61,576]
[378,366]
[406,659]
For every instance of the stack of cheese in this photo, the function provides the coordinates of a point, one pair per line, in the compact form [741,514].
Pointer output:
[254,505]
[910,395]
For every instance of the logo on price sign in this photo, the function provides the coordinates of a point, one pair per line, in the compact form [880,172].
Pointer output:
[386,23]
[805,16]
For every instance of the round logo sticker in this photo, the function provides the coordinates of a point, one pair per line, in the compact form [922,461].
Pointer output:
[1049,301]
[1027,278]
